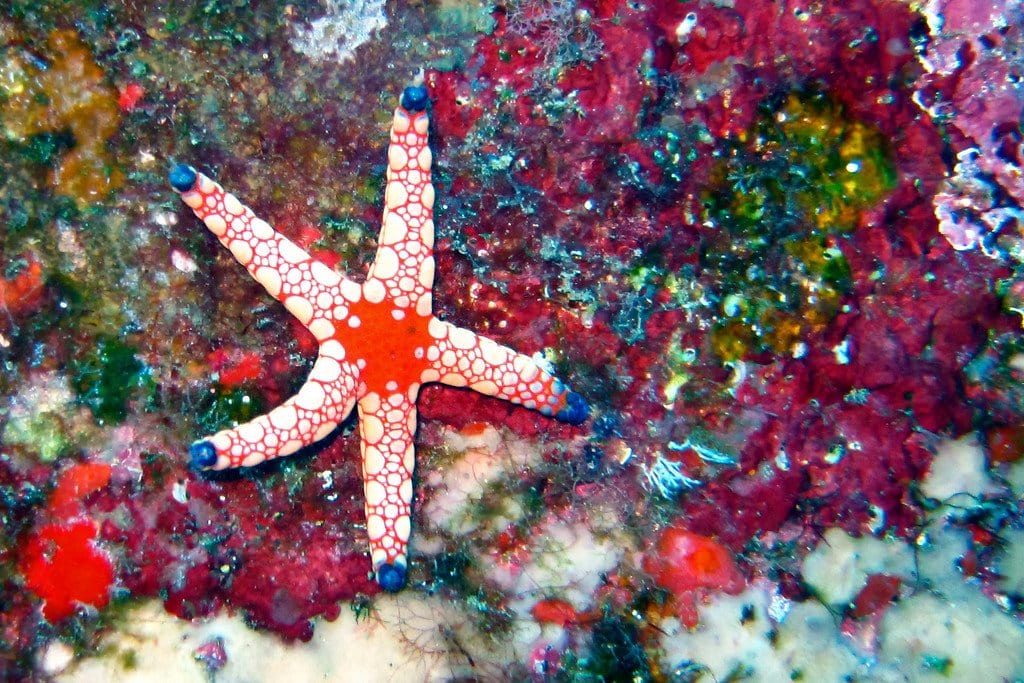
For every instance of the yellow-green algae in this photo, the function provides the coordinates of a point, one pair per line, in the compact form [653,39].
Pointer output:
[780,201]
[67,94]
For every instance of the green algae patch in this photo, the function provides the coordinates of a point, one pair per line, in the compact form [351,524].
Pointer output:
[780,202]
[108,377]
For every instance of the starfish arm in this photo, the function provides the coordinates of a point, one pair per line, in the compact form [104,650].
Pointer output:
[403,269]
[323,401]
[387,424]
[310,290]
[459,357]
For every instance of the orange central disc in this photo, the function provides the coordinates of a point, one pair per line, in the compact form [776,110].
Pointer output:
[387,345]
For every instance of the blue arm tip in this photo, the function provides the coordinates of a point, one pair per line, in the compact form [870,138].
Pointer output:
[414,98]
[203,454]
[391,577]
[576,410]
[182,177]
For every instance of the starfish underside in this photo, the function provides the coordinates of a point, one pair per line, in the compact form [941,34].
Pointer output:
[379,340]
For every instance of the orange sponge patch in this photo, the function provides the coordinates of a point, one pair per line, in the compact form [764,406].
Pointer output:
[62,566]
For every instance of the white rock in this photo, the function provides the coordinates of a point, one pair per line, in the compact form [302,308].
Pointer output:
[840,565]
[958,469]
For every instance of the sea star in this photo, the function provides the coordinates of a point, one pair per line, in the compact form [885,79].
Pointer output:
[379,340]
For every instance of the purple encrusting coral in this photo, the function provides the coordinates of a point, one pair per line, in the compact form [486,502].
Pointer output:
[746,234]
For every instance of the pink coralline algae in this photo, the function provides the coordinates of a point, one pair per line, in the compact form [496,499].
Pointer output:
[974,63]
[832,422]
[966,207]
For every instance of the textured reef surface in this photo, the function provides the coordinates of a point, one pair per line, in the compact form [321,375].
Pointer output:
[778,246]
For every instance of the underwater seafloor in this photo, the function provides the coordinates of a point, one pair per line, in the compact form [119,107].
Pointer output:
[779,247]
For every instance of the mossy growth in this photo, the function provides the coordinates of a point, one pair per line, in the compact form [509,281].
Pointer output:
[223,408]
[615,655]
[449,569]
[780,201]
[349,238]
[108,377]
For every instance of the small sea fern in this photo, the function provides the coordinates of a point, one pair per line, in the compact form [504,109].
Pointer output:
[562,33]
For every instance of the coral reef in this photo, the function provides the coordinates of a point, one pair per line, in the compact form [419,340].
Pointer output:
[777,246]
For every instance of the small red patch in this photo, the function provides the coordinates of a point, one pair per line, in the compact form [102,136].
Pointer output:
[877,593]
[683,561]
[1005,443]
[23,292]
[688,565]
[475,428]
[75,483]
[62,566]
[129,96]
[248,367]
[508,539]
[307,235]
[554,611]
